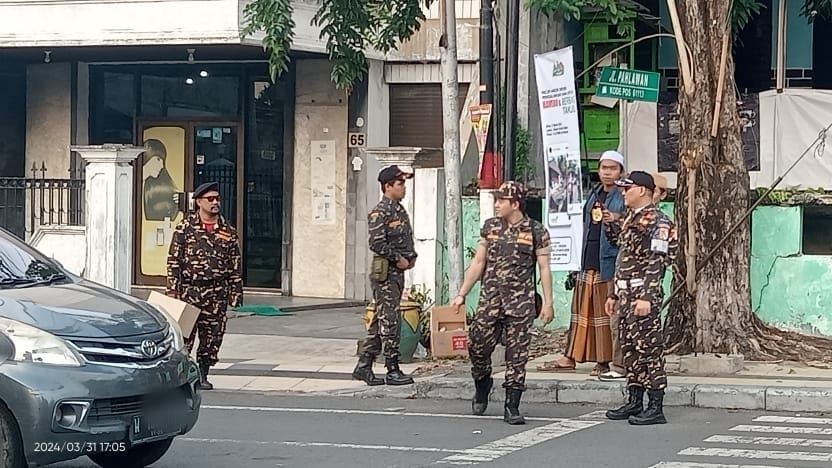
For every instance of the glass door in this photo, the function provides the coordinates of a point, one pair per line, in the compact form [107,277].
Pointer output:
[264,166]
[215,160]
[180,157]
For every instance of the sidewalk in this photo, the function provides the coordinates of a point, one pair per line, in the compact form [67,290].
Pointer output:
[314,352]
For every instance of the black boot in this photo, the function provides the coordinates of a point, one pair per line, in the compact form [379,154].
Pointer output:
[203,377]
[511,413]
[653,414]
[480,402]
[634,405]
[364,371]
[394,375]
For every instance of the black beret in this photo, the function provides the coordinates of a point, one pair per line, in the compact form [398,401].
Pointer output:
[639,179]
[205,188]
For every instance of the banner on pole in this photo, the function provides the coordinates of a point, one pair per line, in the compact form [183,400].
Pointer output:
[563,204]
[480,118]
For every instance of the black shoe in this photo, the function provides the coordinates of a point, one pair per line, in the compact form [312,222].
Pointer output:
[634,405]
[203,377]
[480,402]
[511,413]
[653,414]
[394,375]
[364,371]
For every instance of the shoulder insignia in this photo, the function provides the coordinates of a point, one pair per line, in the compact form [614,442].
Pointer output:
[525,238]
[224,234]
[375,214]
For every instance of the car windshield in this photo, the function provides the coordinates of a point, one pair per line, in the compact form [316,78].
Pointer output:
[22,266]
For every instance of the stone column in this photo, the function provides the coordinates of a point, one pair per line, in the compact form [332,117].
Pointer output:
[428,229]
[486,204]
[109,219]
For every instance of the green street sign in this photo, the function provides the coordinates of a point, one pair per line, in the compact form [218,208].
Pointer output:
[623,83]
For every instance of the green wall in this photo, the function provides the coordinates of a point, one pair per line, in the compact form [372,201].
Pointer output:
[788,289]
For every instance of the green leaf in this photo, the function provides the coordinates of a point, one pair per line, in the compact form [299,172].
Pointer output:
[812,9]
[348,27]
[274,19]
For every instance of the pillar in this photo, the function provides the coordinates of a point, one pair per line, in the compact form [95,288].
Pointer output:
[428,229]
[487,209]
[109,213]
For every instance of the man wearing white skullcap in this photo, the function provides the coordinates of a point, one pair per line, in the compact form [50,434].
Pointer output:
[593,337]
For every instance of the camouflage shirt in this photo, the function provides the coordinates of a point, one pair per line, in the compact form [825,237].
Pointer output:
[205,259]
[648,243]
[391,234]
[510,261]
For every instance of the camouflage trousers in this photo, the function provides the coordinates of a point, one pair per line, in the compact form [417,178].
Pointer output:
[385,326]
[488,326]
[642,343]
[210,325]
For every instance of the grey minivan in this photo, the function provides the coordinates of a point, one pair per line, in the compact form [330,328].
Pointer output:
[86,370]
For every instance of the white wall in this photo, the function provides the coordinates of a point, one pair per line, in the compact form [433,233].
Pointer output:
[53,23]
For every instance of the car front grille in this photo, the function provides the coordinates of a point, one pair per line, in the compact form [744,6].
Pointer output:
[105,409]
[142,351]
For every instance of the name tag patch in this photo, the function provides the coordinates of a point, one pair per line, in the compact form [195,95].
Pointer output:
[658,245]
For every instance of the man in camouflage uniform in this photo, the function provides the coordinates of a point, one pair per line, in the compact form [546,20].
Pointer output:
[204,270]
[391,241]
[648,243]
[509,247]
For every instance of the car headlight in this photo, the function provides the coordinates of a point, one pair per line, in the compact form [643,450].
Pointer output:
[175,329]
[35,345]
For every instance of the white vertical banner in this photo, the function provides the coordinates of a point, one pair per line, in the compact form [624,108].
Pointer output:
[555,72]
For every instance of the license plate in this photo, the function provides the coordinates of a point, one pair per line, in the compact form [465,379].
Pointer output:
[148,427]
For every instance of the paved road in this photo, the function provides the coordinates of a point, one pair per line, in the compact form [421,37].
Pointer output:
[249,430]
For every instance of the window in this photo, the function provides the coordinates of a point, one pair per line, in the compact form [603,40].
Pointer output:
[20,262]
[817,230]
[112,107]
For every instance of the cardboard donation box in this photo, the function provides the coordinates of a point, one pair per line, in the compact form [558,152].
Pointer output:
[184,313]
[448,332]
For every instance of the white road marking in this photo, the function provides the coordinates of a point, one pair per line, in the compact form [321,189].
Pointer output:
[793,420]
[790,441]
[706,465]
[782,429]
[600,414]
[756,454]
[323,444]
[507,445]
[268,409]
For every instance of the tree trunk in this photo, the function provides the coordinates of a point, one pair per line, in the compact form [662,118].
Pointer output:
[717,317]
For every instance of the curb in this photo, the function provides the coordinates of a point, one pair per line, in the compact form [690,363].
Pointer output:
[731,397]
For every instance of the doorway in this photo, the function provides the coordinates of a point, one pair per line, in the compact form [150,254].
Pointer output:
[181,155]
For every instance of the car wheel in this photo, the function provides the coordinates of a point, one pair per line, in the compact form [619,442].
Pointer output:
[11,445]
[136,457]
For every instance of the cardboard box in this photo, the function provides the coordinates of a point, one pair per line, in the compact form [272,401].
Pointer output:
[448,332]
[184,313]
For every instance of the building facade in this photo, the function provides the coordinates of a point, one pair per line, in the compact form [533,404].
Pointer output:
[177,77]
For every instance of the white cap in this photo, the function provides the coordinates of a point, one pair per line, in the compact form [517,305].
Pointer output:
[611,155]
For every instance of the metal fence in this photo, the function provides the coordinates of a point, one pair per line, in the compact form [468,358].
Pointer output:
[29,202]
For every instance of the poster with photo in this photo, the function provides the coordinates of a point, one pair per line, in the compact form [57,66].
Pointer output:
[558,102]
